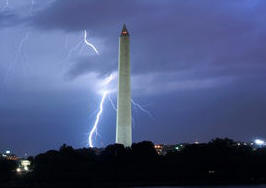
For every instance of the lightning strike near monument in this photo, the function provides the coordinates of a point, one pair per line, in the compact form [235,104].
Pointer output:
[104,93]
[141,108]
[124,119]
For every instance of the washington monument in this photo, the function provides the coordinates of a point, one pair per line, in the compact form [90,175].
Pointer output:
[123,119]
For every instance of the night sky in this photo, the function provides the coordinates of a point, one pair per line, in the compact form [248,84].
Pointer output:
[199,67]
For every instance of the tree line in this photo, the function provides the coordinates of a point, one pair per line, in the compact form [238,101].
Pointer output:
[220,161]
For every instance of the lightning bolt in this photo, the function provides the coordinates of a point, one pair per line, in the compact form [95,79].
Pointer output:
[74,48]
[70,51]
[104,95]
[22,42]
[79,47]
[19,55]
[88,43]
[140,107]
[94,128]
[112,102]
[19,58]
[21,51]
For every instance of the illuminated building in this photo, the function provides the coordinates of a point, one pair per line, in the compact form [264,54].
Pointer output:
[9,156]
[164,149]
[159,148]
[24,166]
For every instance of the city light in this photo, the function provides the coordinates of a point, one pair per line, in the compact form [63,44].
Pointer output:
[259,142]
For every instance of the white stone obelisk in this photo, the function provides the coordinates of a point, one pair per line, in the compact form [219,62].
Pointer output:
[123,119]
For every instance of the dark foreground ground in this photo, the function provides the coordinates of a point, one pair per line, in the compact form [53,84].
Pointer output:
[219,162]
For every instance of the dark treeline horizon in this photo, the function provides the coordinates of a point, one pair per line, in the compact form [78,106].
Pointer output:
[220,161]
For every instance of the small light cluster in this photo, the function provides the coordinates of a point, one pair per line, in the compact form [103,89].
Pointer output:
[162,149]
[9,156]
[158,148]
[23,166]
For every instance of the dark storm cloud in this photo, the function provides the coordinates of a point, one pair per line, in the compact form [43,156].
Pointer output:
[206,37]
[79,14]
[96,64]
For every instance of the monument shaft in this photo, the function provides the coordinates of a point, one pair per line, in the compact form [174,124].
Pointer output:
[123,119]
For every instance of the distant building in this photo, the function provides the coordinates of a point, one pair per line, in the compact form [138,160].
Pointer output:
[23,166]
[9,156]
[159,148]
[164,149]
